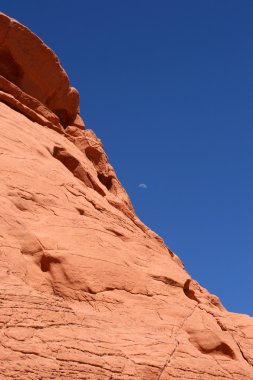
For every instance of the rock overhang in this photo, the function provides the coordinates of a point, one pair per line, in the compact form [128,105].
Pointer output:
[28,64]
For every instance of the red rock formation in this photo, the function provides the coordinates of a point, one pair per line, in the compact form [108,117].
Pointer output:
[20,53]
[87,291]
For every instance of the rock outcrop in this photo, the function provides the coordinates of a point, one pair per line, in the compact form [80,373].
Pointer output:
[87,290]
[31,73]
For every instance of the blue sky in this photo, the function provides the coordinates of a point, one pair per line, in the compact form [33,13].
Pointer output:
[168,87]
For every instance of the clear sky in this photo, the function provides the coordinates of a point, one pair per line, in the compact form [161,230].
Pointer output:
[168,87]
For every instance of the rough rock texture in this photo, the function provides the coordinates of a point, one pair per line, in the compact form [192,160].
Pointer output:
[26,63]
[86,290]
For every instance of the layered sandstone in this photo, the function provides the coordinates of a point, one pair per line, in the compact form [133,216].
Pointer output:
[31,73]
[87,290]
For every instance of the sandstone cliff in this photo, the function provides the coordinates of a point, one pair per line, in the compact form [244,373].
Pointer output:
[88,291]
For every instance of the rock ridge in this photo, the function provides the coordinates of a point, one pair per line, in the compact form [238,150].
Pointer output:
[20,52]
[87,291]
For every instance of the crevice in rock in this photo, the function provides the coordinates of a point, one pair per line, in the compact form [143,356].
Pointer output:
[93,154]
[46,261]
[221,348]
[224,328]
[168,360]
[32,115]
[105,180]
[76,168]
[80,211]
[189,292]
[63,116]
[167,281]
[9,68]
[242,353]
[65,158]
[117,234]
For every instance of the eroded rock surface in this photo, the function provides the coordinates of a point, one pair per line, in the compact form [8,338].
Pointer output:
[87,291]
[28,64]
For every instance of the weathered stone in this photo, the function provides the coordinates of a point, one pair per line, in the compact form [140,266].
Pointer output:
[30,65]
[87,291]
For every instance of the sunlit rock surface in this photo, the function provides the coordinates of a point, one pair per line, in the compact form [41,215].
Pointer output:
[87,290]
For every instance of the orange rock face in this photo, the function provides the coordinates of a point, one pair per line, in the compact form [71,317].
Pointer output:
[88,291]
[20,53]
